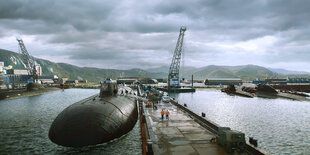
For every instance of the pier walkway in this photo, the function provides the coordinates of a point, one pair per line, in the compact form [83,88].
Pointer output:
[180,135]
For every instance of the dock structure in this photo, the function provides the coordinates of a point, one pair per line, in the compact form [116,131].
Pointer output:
[293,96]
[183,133]
[177,90]
[178,135]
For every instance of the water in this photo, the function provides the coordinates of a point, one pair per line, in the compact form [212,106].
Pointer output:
[24,125]
[281,126]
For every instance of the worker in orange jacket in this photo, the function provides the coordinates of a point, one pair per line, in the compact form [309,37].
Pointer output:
[162,114]
[149,104]
[167,115]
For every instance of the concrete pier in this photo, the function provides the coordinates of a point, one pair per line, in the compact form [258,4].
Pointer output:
[183,133]
[180,135]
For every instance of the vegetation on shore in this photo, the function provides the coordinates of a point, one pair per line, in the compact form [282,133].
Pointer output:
[245,72]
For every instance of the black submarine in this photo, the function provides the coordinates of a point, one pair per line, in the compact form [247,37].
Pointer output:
[97,119]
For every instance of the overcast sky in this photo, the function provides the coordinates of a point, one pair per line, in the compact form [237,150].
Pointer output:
[143,34]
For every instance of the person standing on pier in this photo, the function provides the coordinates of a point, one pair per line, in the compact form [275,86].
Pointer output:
[162,114]
[167,115]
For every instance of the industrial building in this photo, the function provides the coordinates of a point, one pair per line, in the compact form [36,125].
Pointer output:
[14,80]
[223,81]
[298,80]
[24,71]
[283,81]
[133,80]
[162,80]
[17,72]
[63,80]
[259,82]
[72,82]
[149,81]
[82,81]
[1,67]
[127,80]
[48,79]
[276,81]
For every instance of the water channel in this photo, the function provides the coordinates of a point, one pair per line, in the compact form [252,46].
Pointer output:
[24,125]
[281,126]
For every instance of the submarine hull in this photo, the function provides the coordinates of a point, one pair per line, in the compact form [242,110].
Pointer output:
[93,121]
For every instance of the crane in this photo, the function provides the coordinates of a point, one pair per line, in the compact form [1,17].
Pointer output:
[173,77]
[27,59]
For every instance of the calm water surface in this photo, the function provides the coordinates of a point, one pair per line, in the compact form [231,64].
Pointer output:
[24,125]
[281,126]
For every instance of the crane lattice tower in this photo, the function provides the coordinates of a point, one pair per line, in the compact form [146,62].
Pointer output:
[174,70]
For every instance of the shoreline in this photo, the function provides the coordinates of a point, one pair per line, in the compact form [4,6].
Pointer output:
[23,93]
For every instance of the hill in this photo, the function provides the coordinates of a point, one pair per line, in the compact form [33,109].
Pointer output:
[245,72]
[74,72]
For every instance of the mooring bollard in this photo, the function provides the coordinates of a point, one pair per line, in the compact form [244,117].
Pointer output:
[253,141]
[149,150]
[203,114]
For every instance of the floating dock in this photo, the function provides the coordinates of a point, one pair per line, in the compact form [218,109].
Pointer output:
[292,96]
[301,87]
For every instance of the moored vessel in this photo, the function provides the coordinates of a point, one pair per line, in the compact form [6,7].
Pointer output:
[95,120]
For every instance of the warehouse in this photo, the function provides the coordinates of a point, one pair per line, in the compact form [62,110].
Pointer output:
[127,80]
[223,81]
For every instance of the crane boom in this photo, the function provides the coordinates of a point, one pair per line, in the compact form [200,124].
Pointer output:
[173,77]
[27,59]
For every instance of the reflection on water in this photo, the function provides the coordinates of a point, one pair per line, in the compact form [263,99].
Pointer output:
[24,125]
[281,126]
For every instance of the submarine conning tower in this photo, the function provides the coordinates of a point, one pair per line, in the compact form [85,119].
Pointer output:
[108,88]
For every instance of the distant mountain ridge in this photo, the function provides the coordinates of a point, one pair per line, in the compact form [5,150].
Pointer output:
[245,72]
[284,71]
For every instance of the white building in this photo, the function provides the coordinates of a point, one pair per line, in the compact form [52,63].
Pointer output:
[38,69]
[1,67]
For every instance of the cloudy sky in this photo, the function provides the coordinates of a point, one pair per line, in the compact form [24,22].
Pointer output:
[142,34]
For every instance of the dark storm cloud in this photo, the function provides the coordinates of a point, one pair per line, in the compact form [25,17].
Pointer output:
[158,16]
[43,16]
[124,59]
[134,32]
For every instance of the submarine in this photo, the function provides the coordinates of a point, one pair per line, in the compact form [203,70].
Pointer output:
[97,119]
[266,91]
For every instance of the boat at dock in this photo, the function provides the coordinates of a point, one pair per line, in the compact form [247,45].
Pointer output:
[232,90]
[264,91]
